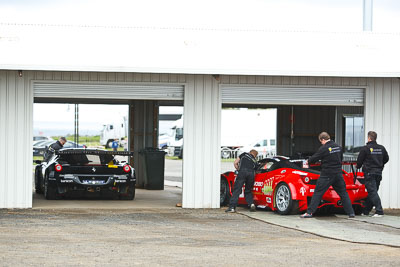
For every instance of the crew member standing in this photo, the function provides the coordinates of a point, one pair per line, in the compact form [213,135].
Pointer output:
[331,156]
[372,158]
[114,145]
[53,148]
[246,164]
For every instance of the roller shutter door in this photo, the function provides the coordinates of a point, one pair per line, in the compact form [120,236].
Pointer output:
[239,94]
[107,91]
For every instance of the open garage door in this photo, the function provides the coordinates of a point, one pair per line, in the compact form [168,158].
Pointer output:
[303,111]
[107,91]
[271,95]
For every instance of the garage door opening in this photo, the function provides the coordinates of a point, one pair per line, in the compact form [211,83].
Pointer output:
[243,129]
[98,126]
[170,140]
[303,111]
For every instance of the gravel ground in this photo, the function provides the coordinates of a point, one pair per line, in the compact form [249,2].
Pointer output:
[172,237]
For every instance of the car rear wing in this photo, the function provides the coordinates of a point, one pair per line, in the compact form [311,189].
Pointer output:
[93,152]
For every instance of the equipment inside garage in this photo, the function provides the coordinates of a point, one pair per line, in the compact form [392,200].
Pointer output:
[298,127]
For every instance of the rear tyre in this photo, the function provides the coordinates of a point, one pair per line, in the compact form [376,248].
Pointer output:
[357,209]
[283,200]
[38,180]
[130,195]
[50,191]
[225,194]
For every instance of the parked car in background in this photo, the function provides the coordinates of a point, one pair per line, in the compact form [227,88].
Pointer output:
[40,146]
[283,185]
[264,147]
[95,172]
[41,137]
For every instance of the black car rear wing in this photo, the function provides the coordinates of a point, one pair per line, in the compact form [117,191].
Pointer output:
[92,152]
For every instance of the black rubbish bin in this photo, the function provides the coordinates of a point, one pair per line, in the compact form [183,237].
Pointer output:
[153,168]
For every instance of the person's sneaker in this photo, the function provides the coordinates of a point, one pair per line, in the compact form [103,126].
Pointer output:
[306,215]
[230,209]
[351,216]
[376,215]
[364,214]
[252,207]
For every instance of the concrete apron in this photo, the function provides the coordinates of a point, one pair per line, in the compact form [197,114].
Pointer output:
[383,231]
[144,199]
[364,230]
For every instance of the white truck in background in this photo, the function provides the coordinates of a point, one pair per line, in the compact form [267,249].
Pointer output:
[112,131]
[175,142]
[239,128]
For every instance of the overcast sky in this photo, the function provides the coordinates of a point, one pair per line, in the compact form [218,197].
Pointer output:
[307,15]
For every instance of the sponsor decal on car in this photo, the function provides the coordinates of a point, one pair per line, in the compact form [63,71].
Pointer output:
[267,188]
[269,200]
[303,191]
[299,172]
[258,183]
[111,165]
[93,182]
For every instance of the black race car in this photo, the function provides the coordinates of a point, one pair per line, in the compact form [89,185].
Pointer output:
[91,171]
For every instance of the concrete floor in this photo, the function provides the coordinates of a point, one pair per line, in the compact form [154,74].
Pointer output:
[144,199]
[363,230]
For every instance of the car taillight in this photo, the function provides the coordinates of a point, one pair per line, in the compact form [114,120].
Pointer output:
[58,167]
[305,178]
[127,168]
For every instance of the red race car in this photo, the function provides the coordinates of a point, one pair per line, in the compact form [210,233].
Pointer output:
[283,185]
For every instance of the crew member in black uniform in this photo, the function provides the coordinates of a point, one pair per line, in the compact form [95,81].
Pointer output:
[372,158]
[331,156]
[246,164]
[53,148]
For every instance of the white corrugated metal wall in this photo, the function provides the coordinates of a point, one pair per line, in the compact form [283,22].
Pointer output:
[382,113]
[201,153]
[16,106]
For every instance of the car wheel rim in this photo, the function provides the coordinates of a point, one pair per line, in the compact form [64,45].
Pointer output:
[282,198]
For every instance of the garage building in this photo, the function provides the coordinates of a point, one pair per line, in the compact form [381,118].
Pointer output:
[321,75]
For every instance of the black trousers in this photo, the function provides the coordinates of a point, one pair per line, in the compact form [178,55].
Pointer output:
[247,178]
[323,183]
[372,183]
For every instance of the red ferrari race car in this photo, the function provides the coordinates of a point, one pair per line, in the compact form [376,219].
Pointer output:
[283,185]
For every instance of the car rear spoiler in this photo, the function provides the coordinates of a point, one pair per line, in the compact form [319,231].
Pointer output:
[93,152]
